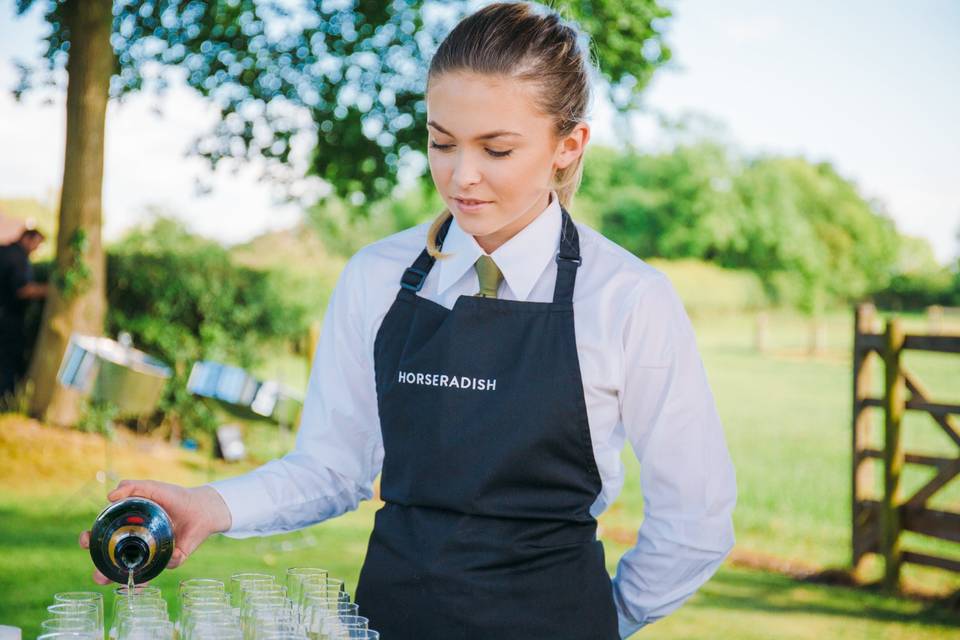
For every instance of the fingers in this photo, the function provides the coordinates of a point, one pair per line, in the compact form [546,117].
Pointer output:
[177,559]
[99,578]
[127,488]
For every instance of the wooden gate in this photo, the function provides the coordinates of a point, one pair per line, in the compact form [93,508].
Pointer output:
[878,523]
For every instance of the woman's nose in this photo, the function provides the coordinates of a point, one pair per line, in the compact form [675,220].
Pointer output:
[465,170]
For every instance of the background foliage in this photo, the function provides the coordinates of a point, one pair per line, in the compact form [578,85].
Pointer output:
[183,298]
[343,79]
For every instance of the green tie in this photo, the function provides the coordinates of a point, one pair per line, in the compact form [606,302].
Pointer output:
[489,275]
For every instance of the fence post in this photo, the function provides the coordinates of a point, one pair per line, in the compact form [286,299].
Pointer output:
[935,319]
[893,456]
[862,478]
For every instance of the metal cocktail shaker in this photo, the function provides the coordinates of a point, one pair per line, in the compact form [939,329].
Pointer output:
[132,535]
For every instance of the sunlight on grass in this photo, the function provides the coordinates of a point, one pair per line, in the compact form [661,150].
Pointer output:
[786,417]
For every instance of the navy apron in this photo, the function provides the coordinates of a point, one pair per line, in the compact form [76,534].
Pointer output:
[488,471]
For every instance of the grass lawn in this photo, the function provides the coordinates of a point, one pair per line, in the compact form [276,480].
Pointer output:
[787,420]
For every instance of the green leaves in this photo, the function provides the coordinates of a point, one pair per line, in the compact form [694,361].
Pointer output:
[345,79]
[72,275]
[805,230]
[627,38]
[183,299]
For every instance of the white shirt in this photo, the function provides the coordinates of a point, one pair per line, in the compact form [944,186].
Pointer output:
[643,381]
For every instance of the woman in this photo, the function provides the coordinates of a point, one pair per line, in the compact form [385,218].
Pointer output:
[492,364]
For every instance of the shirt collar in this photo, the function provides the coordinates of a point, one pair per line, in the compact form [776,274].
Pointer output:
[521,259]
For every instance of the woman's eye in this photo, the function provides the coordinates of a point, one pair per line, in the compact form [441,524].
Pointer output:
[446,147]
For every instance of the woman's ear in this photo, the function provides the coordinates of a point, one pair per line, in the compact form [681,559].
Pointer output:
[572,145]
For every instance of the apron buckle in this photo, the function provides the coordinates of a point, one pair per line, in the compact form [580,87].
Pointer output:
[418,275]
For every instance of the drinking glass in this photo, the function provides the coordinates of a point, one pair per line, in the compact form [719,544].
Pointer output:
[261,588]
[271,621]
[203,601]
[237,581]
[205,610]
[140,595]
[295,576]
[320,586]
[145,630]
[260,602]
[201,584]
[68,624]
[319,606]
[340,610]
[93,597]
[75,610]
[340,626]
[141,611]
[211,627]
[138,590]
[353,622]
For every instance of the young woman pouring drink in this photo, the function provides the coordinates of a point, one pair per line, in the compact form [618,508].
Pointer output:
[491,365]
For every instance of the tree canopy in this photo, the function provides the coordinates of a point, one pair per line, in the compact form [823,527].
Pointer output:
[803,228]
[344,78]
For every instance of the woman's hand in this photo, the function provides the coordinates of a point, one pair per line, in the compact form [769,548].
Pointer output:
[196,513]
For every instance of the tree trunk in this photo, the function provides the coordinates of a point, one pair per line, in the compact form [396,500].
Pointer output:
[89,67]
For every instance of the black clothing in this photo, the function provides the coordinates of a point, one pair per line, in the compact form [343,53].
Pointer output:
[488,471]
[15,272]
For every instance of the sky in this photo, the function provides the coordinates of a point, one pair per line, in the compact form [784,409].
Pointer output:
[870,86]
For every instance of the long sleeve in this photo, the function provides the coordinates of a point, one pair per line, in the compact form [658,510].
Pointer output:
[686,473]
[338,450]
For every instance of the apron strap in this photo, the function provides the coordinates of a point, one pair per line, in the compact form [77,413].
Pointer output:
[568,260]
[416,274]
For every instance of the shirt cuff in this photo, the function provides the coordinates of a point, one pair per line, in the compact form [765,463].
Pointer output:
[239,493]
[628,627]
[625,623]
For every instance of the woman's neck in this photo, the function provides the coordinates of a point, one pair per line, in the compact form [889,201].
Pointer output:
[491,242]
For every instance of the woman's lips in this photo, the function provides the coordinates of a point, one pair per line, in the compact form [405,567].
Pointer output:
[469,206]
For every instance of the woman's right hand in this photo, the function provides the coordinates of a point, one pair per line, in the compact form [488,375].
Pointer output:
[196,513]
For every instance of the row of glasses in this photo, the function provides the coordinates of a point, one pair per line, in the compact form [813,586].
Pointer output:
[205,611]
[140,613]
[295,578]
[248,581]
[327,612]
[309,606]
[74,614]
[266,608]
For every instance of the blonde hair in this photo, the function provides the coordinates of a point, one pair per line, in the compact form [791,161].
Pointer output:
[532,43]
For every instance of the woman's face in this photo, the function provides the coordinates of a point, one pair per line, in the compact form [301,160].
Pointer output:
[488,143]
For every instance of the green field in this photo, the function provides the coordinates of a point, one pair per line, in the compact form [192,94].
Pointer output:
[787,420]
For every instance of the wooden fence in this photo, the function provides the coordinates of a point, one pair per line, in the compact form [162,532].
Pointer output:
[879,522]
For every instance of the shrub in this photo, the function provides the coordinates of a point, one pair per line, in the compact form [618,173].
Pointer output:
[183,299]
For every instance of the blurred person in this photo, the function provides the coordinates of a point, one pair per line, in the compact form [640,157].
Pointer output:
[17,289]
[490,366]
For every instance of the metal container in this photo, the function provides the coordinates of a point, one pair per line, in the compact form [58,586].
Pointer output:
[237,387]
[112,372]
